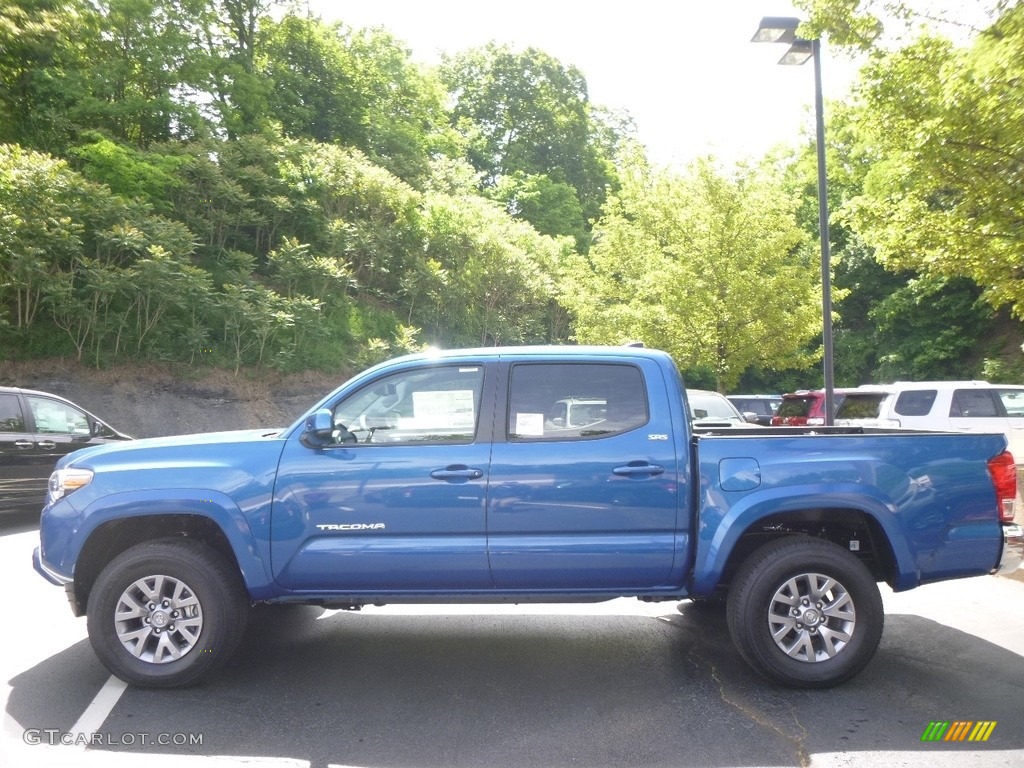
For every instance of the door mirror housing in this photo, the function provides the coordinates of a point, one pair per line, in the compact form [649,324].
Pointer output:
[319,429]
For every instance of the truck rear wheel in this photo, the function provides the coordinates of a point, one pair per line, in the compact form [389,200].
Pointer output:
[163,614]
[805,613]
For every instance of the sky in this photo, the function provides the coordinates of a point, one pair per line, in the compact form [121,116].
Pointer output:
[685,70]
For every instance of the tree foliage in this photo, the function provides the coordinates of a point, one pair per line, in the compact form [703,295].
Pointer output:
[942,196]
[236,182]
[707,266]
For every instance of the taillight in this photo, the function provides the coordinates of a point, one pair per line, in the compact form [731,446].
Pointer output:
[1003,471]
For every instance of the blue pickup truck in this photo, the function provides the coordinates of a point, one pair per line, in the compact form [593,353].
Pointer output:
[461,476]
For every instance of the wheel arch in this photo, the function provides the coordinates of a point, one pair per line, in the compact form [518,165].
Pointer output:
[869,529]
[119,528]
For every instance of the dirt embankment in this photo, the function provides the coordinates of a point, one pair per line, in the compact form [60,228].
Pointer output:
[154,401]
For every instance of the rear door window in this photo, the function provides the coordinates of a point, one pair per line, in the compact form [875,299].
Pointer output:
[975,404]
[570,401]
[915,402]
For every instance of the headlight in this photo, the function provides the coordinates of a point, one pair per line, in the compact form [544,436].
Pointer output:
[64,481]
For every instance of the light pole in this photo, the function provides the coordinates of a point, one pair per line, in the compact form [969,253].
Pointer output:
[782,29]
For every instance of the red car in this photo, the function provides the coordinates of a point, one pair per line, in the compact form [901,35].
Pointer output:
[805,408]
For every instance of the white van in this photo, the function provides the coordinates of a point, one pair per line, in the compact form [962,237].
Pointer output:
[948,406]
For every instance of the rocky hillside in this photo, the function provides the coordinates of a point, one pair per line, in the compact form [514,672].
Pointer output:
[153,401]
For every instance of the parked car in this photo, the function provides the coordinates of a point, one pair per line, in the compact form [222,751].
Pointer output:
[960,406]
[762,406]
[709,408]
[805,408]
[36,429]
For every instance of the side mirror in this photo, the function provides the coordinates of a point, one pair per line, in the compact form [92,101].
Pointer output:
[319,429]
[750,417]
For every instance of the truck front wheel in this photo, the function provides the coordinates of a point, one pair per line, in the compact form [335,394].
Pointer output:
[164,613]
[805,613]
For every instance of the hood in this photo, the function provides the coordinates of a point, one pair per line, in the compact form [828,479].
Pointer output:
[127,448]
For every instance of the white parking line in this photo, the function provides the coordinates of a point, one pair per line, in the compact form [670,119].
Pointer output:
[96,713]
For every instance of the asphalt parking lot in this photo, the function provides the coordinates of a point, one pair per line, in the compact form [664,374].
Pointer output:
[621,683]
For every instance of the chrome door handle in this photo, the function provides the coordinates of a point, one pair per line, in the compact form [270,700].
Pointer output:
[457,473]
[638,470]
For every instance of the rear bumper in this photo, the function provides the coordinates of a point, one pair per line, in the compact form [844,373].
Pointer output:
[1013,549]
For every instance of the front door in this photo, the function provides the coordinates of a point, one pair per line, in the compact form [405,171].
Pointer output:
[395,503]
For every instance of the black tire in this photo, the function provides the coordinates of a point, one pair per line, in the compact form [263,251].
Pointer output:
[155,585]
[818,643]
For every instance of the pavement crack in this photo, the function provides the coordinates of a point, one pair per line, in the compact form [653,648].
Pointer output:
[799,741]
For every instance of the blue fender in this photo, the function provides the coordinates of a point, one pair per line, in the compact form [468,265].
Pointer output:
[719,537]
[251,553]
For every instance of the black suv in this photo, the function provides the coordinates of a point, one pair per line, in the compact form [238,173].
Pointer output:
[36,429]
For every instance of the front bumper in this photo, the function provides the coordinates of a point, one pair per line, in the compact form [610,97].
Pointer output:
[59,579]
[46,572]
[1013,549]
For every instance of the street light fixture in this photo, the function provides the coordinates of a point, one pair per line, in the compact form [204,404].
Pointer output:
[782,29]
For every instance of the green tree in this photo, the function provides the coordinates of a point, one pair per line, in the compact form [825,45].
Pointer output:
[488,279]
[706,266]
[42,69]
[943,195]
[527,112]
[138,65]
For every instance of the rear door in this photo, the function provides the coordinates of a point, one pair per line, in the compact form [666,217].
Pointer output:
[585,505]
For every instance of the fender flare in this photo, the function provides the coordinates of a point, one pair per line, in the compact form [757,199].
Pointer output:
[251,555]
[715,548]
